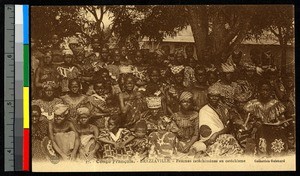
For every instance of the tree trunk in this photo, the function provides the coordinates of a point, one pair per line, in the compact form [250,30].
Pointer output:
[283,59]
[198,19]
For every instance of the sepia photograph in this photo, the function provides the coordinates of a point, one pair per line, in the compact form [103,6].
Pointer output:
[162,88]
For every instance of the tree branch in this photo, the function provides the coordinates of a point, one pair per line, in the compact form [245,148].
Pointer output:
[274,32]
[93,12]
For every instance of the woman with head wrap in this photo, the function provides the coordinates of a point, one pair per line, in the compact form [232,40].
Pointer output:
[242,124]
[153,113]
[48,99]
[213,121]
[87,134]
[187,121]
[62,133]
[156,87]
[175,89]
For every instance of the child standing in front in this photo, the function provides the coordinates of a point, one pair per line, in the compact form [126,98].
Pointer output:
[140,143]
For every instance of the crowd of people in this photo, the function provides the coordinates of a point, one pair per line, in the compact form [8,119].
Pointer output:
[118,104]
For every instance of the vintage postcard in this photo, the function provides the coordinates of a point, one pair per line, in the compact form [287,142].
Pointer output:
[163,88]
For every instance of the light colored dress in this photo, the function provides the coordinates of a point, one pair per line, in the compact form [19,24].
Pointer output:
[87,144]
[65,141]
[225,145]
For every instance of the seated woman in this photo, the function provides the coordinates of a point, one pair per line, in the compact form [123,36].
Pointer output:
[175,89]
[153,113]
[131,103]
[243,125]
[114,141]
[269,114]
[48,100]
[39,130]
[63,135]
[155,86]
[74,98]
[213,122]
[87,134]
[102,103]
[187,121]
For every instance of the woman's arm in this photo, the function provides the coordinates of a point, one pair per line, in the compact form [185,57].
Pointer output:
[124,108]
[106,141]
[87,78]
[195,137]
[77,141]
[96,134]
[213,137]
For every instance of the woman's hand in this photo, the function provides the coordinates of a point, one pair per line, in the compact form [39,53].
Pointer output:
[121,144]
[73,156]
[91,155]
[212,139]
[64,157]
[117,146]
[186,148]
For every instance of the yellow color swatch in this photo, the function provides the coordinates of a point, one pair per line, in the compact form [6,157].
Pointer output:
[25,107]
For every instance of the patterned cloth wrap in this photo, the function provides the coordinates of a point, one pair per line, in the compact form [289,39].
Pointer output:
[177,69]
[163,144]
[140,147]
[109,150]
[47,107]
[225,145]
[140,74]
[39,132]
[269,112]
[272,140]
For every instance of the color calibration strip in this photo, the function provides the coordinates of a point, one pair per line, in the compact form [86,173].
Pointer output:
[16,96]
[18,126]
[26,98]
[21,129]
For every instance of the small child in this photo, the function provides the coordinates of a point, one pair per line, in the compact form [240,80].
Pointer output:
[87,133]
[115,140]
[140,143]
[164,141]
[62,133]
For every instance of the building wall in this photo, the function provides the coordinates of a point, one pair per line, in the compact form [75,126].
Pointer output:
[245,48]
